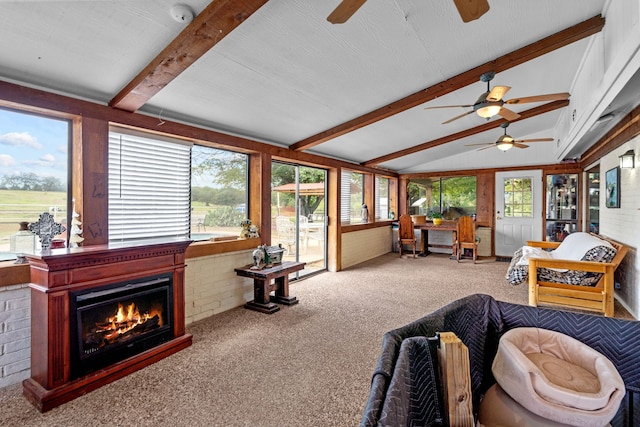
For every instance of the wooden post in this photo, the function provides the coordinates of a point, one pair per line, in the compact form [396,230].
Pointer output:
[533,283]
[453,358]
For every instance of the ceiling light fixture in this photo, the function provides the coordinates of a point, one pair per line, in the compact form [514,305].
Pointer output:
[505,142]
[627,160]
[489,111]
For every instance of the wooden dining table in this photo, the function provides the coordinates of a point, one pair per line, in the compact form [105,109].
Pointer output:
[446,225]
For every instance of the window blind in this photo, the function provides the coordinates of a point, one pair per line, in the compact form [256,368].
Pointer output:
[345,197]
[149,188]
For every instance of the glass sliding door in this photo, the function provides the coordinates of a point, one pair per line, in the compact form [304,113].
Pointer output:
[298,214]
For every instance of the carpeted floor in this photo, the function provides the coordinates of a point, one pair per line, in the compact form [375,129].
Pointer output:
[306,365]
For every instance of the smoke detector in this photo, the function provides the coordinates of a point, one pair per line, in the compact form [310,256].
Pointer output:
[181,13]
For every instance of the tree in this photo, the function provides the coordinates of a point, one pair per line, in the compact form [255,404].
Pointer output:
[286,174]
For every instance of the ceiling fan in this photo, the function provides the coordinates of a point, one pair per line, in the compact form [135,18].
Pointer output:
[491,103]
[468,10]
[505,142]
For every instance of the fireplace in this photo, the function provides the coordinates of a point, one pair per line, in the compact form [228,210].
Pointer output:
[111,323]
[99,313]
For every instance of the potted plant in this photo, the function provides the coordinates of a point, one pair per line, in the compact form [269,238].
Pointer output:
[436,217]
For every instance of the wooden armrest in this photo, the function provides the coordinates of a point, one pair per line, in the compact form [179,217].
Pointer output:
[544,245]
[589,266]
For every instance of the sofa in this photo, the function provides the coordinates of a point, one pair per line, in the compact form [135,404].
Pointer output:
[406,389]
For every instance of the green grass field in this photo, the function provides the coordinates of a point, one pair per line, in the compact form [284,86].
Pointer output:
[17,206]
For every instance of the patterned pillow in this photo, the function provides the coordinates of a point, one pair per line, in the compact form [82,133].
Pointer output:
[517,274]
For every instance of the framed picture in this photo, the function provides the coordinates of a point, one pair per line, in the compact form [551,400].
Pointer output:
[612,188]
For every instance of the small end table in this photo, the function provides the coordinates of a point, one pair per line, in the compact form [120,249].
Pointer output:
[262,286]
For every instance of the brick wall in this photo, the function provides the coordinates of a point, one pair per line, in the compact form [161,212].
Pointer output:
[212,286]
[15,334]
[622,224]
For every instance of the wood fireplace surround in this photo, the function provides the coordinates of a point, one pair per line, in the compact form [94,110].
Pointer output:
[56,275]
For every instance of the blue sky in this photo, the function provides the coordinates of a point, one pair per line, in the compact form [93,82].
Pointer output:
[30,143]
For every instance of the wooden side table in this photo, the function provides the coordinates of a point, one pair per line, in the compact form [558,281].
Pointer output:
[262,286]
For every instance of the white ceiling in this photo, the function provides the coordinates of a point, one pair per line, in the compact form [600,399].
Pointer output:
[286,74]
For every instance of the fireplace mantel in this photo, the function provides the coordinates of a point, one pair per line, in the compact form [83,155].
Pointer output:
[58,272]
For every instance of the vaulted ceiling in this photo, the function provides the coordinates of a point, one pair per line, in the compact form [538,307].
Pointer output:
[278,72]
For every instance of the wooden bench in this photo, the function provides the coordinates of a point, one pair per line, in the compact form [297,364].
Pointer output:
[598,298]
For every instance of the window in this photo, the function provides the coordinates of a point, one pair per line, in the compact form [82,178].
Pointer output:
[518,198]
[149,187]
[382,197]
[219,192]
[162,187]
[453,197]
[34,177]
[351,198]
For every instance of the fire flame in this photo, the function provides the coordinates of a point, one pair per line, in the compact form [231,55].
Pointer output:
[126,319]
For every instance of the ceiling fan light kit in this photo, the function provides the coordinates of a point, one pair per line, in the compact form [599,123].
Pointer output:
[504,146]
[488,111]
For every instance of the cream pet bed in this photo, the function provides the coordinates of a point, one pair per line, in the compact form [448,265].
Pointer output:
[557,377]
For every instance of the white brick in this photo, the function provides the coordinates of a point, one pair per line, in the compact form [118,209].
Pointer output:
[15,360]
[13,304]
[17,345]
[18,365]
[15,378]
[17,324]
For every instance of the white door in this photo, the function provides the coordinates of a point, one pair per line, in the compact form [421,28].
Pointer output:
[518,210]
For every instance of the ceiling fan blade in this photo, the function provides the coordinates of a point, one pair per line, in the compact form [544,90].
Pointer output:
[508,114]
[535,140]
[344,11]
[457,117]
[540,98]
[483,143]
[448,106]
[497,93]
[471,9]
[515,144]
[485,148]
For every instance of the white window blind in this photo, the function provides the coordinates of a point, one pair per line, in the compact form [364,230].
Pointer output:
[382,197]
[149,188]
[345,197]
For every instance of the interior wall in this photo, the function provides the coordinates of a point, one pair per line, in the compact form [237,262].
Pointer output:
[622,223]
[362,245]
[212,286]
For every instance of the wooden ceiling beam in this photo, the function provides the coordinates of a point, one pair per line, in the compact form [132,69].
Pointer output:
[212,25]
[548,44]
[467,132]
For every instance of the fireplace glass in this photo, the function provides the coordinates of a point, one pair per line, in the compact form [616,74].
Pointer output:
[115,322]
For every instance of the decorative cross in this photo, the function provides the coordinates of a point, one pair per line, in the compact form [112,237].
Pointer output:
[46,228]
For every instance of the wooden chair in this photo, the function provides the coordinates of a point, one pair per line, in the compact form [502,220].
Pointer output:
[598,298]
[466,237]
[406,235]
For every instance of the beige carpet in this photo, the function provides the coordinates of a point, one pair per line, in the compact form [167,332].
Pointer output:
[306,365]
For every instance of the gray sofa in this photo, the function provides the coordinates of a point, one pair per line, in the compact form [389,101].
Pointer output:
[406,390]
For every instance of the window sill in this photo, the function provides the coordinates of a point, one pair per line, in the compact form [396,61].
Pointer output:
[200,249]
[348,228]
[14,274]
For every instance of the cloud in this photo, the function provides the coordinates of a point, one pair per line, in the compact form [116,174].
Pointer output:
[6,160]
[20,139]
[47,161]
